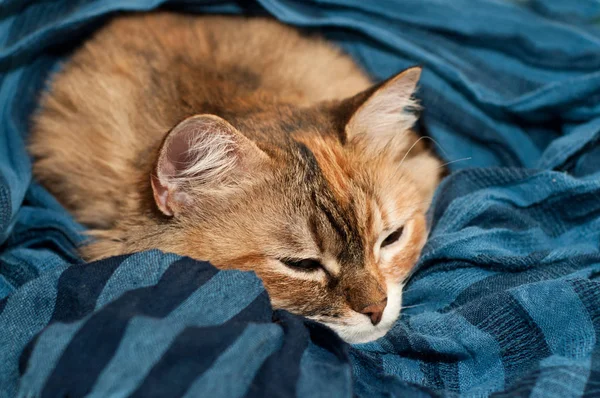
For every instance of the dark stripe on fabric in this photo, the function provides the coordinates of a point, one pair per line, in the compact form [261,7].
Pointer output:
[80,286]
[195,349]
[410,344]
[328,340]
[521,341]
[585,161]
[464,182]
[5,206]
[3,304]
[26,353]
[96,342]
[522,386]
[441,376]
[559,215]
[372,362]
[78,289]
[431,373]
[589,294]
[259,310]
[592,387]
[400,343]
[439,369]
[17,273]
[192,353]
[502,282]
[278,376]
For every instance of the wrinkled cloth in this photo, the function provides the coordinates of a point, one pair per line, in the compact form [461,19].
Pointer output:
[505,299]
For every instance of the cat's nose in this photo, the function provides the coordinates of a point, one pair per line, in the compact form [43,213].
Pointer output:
[375,311]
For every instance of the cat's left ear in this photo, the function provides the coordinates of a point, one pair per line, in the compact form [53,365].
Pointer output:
[380,113]
[203,156]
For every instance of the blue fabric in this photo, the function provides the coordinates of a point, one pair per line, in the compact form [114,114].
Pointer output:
[505,300]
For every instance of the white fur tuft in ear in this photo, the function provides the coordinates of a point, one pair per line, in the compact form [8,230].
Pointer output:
[210,155]
[202,154]
[387,111]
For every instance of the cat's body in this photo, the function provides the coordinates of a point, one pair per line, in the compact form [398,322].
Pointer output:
[275,170]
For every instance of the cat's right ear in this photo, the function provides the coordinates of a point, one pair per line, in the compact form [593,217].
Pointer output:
[201,155]
[379,114]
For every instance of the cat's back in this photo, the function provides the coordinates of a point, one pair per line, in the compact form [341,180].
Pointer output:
[107,110]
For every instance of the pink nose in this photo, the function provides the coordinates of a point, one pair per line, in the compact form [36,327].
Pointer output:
[375,311]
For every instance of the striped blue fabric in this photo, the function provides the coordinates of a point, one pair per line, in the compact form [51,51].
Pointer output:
[505,300]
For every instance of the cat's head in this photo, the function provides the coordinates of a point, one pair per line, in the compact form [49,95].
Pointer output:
[326,203]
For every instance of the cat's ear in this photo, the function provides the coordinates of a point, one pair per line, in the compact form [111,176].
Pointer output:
[380,113]
[200,155]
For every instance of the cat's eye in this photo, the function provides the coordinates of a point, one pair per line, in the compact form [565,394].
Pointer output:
[393,237]
[307,264]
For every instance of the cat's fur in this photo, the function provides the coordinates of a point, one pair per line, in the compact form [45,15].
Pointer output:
[244,143]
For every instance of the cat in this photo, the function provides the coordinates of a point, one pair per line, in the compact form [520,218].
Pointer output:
[249,144]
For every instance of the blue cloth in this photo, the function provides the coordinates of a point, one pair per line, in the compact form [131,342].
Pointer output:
[505,300]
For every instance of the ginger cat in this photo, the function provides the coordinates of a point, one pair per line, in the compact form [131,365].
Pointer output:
[242,142]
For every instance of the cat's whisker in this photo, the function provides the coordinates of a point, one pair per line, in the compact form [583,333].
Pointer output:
[447,163]
[454,161]
[446,154]
[436,143]
[412,306]
[410,149]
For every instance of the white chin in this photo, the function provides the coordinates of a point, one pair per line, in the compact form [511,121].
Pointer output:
[358,327]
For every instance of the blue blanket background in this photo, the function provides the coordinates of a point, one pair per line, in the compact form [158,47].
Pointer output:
[506,296]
